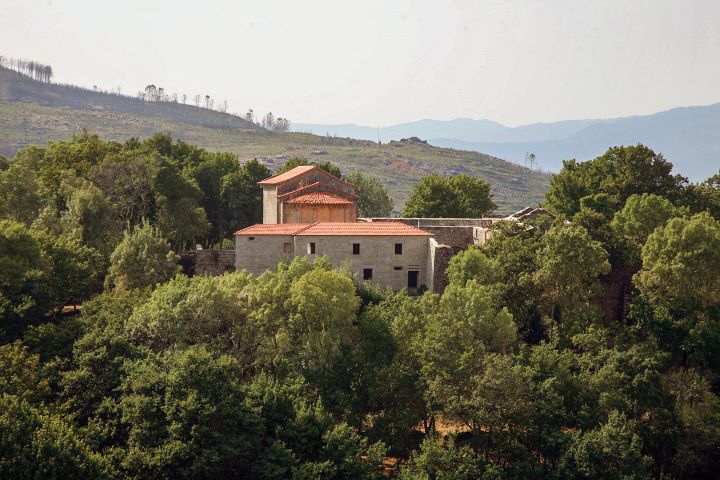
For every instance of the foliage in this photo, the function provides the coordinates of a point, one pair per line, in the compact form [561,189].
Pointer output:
[374,201]
[620,172]
[460,196]
[35,444]
[299,162]
[142,259]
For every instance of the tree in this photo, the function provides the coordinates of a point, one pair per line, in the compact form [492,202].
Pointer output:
[612,452]
[325,308]
[19,194]
[38,444]
[76,270]
[142,259]
[570,265]
[202,310]
[23,275]
[445,460]
[331,168]
[185,417]
[640,216]
[241,197]
[458,196]
[374,201]
[681,265]
[620,172]
[179,214]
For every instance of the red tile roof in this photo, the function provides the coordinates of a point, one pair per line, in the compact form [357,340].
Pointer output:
[273,229]
[350,229]
[289,175]
[362,229]
[320,198]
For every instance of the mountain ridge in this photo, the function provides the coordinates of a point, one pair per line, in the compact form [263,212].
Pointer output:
[688,136]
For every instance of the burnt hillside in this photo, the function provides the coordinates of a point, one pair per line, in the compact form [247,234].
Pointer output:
[18,87]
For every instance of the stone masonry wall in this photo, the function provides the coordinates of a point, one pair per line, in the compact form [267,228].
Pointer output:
[439,256]
[207,262]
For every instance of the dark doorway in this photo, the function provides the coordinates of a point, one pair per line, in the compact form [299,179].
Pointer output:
[412,279]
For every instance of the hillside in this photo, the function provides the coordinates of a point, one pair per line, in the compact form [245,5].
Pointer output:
[687,136]
[33,113]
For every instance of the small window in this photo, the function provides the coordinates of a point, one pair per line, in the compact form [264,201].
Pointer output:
[251,238]
[311,248]
[397,268]
[398,249]
[287,247]
[367,273]
[356,249]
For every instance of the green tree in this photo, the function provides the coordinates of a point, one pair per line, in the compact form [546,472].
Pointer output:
[620,172]
[242,197]
[680,282]
[611,452]
[19,194]
[142,259]
[21,374]
[299,162]
[640,216]
[699,411]
[185,416]
[374,201]
[24,271]
[445,460]
[457,196]
[570,264]
[76,270]
[35,444]
[202,310]
[179,215]
[325,306]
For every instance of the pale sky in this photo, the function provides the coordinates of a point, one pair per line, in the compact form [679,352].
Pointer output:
[383,62]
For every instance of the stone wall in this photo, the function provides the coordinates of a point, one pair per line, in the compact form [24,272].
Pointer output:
[438,258]
[376,252]
[207,262]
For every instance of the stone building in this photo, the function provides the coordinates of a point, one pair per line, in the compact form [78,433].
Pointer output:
[391,254]
[308,194]
[309,212]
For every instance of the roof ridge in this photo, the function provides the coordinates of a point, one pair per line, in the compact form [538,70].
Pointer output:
[297,190]
[305,228]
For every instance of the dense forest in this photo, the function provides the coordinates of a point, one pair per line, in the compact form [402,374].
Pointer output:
[305,372]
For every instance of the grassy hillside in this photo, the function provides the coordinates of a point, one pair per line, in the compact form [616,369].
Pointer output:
[29,121]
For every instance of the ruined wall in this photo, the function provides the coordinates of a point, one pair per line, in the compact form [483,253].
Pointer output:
[438,258]
[207,262]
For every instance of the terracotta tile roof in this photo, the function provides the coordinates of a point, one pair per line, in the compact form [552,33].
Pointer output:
[298,190]
[273,229]
[289,175]
[362,229]
[320,198]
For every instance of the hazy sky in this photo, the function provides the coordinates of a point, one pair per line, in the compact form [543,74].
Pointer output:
[370,62]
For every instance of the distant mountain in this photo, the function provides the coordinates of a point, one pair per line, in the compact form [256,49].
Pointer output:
[689,137]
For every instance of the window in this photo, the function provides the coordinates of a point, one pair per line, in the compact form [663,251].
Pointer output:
[398,249]
[311,248]
[356,249]
[397,268]
[251,238]
[412,279]
[287,247]
[367,273]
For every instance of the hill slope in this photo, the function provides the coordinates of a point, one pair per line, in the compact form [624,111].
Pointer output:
[37,113]
[689,137]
